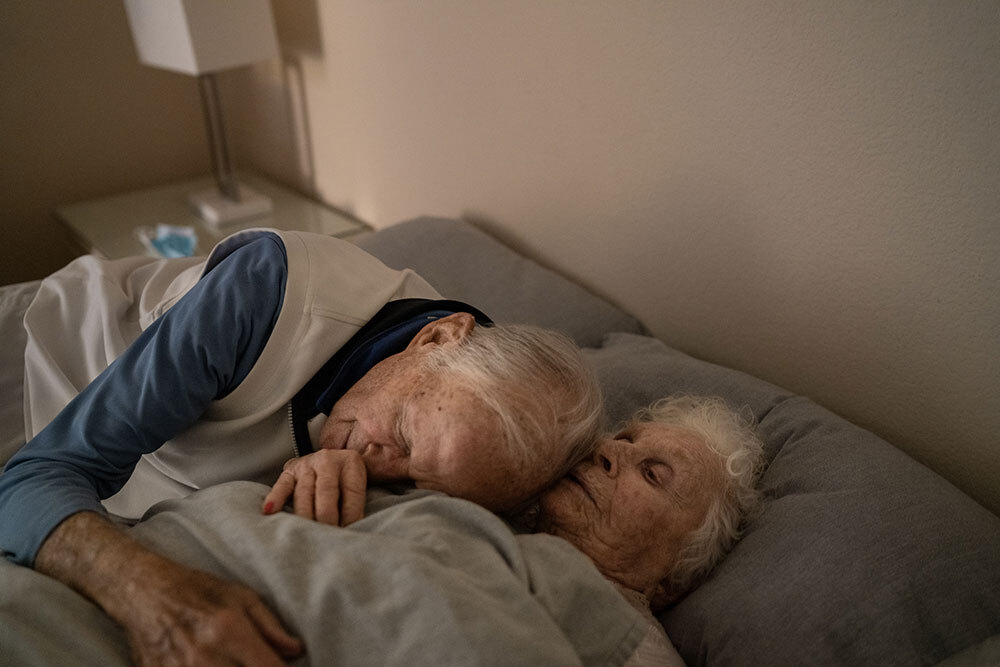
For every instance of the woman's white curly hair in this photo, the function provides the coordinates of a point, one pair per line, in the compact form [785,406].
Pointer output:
[731,435]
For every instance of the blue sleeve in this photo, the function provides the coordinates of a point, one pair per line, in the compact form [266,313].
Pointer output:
[198,351]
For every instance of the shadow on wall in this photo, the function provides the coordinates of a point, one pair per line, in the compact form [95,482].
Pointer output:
[297,23]
[705,228]
[293,84]
[270,108]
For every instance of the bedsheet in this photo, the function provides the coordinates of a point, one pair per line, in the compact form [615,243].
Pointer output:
[423,579]
[14,299]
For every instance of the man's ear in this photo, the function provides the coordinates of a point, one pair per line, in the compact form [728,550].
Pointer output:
[450,329]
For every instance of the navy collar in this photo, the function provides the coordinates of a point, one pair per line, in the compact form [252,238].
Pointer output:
[387,333]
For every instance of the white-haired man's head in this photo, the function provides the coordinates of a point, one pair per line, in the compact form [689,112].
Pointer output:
[489,414]
[537,383]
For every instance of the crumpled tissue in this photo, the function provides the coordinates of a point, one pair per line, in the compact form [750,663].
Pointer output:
[168,240]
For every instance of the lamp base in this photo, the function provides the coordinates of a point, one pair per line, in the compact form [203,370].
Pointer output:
[216,209]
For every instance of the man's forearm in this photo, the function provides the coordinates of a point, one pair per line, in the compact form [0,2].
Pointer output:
[96,558]
[171,613]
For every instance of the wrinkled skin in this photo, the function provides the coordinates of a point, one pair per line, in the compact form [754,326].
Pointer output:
[406,422]
[630,506]
[172,615]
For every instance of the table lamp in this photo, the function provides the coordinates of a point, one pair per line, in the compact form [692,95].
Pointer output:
[200,38]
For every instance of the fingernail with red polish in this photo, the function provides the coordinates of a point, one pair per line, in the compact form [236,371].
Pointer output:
[268,507]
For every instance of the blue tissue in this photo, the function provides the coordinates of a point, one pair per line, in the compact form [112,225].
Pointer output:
[170,240]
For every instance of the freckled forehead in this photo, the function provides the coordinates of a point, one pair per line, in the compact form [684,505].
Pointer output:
[470,458]
[456,413]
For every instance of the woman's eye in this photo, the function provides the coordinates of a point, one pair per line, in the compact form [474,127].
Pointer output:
[627,437]
[656,473]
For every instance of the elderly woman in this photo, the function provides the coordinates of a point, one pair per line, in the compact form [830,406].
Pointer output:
[659,504]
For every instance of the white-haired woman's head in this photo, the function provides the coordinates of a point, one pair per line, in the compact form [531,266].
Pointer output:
[660,502]
[731,435]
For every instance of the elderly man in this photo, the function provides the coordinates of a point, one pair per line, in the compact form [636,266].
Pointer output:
[146,380]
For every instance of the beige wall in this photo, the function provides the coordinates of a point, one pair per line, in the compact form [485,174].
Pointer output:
[804,190]
[80,118]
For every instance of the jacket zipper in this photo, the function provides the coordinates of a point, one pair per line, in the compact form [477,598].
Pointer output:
[291,430]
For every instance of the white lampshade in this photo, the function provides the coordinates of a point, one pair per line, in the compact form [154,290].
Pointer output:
[202,36]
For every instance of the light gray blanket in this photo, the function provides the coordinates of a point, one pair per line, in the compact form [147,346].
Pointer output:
[423,580]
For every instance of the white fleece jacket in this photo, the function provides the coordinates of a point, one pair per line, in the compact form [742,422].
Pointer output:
[86,314]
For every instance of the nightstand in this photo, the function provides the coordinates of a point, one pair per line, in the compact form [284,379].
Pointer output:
[108,226]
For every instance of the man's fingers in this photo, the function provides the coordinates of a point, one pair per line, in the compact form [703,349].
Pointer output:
[305,491]
[235,640]
[253,650]
[273,631]
[279,493]
[242,633]
[354,481]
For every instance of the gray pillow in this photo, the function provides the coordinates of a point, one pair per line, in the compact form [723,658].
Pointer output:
[465,264]
[862,556]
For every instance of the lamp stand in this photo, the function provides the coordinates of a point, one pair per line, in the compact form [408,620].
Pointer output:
[229,201]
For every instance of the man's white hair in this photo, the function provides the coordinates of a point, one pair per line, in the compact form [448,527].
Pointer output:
[539,385]
[732,437]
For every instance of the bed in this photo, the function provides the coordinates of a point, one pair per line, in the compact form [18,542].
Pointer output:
[862,556]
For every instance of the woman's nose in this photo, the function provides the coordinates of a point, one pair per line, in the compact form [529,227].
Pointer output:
[605,457]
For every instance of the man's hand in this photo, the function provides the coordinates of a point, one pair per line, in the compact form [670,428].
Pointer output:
[172,615]
[188,617]
[327,486]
